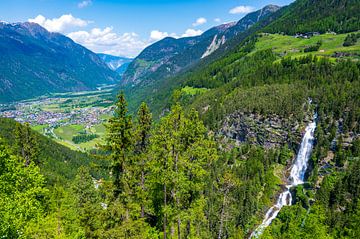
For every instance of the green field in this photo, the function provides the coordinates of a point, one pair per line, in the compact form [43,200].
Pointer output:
[187,90]
[65,134]
[294,47]
[68,131]
[40,128]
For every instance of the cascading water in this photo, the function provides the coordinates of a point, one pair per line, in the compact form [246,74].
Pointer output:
[296,177]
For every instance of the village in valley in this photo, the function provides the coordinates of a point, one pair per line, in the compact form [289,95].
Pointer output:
[65,115]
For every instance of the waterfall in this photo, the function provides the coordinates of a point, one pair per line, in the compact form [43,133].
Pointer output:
[296,177]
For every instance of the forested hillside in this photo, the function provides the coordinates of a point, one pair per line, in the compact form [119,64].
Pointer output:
[213,148]
[58,163]
[34,62]
[318,16]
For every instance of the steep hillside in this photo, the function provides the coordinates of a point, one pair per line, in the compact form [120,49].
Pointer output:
[169,56]
[318,16]
[58,163]
[34,61]
[116,63]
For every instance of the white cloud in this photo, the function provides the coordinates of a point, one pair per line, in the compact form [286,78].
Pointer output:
[157,35]
[84,3]
[199,21]
[218,20]
[106,41]
[191,33]
[60,24]
[241,10]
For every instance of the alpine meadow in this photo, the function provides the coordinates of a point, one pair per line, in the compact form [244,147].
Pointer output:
[235,119]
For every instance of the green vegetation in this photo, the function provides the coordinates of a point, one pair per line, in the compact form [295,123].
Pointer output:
[313,47]
[305,16]
[68,131]
[351,39]
[334,213]
[83,137]
[57,163]
[181,176]
[294,47]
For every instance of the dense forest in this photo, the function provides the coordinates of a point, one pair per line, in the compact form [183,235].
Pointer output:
[172,172]
[165,179]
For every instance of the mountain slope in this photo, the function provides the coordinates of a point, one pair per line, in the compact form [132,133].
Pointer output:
[169,56]
[58,162]
[116,63]
[318,15]
[34,61]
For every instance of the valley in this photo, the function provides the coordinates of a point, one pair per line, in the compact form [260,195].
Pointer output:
[61,116]
[244,126]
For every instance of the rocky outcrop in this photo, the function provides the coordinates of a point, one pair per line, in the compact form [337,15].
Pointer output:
[271,131]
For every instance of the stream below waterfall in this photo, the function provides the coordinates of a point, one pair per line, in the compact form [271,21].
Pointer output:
[296,177]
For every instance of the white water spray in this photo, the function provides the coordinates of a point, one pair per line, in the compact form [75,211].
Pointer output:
[296,177]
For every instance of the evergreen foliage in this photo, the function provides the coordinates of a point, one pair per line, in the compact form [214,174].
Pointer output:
[351,39]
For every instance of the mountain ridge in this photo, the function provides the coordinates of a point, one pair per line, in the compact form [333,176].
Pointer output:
[186,51]
[34,61]
[116,63]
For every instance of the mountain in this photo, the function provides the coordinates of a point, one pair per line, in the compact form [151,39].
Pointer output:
[116,63]
[304,16]
[34,62]
[170,56]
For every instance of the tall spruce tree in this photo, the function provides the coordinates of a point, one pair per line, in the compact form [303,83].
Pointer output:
[26,144]
[144,121]
[119,143]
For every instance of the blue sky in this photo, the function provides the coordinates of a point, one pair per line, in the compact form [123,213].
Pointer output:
[125,27]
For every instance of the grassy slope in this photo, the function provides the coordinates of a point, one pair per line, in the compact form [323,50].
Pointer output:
[293,47]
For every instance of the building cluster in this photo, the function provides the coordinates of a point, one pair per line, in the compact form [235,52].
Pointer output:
[31,112]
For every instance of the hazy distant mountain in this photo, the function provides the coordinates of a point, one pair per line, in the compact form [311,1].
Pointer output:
[169,56]
[34,61]
[116,63]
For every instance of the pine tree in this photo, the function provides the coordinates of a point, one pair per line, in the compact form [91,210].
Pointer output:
[26,144]
[87,201]
[119,144]
[144,121]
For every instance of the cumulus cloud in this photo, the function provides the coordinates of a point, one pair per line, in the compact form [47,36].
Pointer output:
[241,10]
[106,41]
[191,33]
[199,21]
[157,35]
[217,20]
[84,3]
[61,24]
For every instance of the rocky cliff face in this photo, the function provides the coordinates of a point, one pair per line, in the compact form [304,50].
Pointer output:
[270,131]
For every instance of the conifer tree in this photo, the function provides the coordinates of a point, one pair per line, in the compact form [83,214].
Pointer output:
[181,155]
[119,144]
[144,121]
[26,143]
